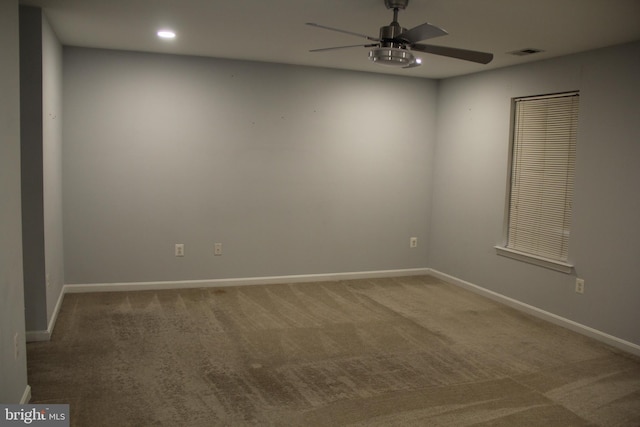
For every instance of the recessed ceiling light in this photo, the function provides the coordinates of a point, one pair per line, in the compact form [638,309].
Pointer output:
[166,34]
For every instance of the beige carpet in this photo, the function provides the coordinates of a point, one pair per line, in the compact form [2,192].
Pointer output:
[409,351]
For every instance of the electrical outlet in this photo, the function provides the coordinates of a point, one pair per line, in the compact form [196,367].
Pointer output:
[16,346]
[580,286]
[179,249]
[413,242]
[217,249]
[48,280]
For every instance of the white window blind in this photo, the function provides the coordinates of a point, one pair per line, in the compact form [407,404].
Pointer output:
[542,174]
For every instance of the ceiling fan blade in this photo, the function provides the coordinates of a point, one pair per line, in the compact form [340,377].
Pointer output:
[421,32]
[343,47]
[452,52]
[313,24]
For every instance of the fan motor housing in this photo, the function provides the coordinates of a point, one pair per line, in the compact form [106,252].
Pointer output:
[396,4]
[390,32]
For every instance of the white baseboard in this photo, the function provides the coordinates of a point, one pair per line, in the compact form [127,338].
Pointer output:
[214,283]
[611,340]
[26,396]
[33,336]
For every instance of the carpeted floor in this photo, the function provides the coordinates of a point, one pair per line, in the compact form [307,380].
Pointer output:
[408,351]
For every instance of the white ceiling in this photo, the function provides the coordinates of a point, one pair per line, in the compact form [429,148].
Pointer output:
[274,30]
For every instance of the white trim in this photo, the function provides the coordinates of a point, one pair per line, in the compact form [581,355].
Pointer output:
[26,396]
[534,259]
[545,315]
[33,336]
[215,283]
[56,311]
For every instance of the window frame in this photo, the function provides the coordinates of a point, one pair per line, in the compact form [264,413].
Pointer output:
[504,249]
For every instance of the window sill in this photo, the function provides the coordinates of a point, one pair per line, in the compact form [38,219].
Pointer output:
[536,260]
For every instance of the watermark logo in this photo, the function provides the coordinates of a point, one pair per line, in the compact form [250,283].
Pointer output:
[34,415]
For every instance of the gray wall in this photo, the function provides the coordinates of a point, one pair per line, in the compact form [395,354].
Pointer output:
[295,170]
[471,160]
[52,164]
[13,372]
[41,166]
[31,168]
[300,170]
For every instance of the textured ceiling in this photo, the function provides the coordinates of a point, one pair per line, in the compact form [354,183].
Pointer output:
[274,30]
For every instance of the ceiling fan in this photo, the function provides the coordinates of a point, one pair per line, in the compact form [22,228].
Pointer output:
[394,45]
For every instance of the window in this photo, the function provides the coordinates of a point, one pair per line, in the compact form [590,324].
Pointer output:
[541,181]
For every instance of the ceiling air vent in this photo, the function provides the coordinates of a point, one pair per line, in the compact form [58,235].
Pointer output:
[525,52]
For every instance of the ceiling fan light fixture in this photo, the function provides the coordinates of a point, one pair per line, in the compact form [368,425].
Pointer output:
[392,56]
[395,43]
